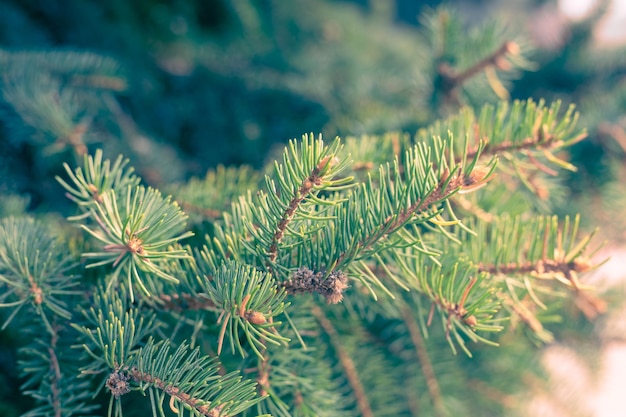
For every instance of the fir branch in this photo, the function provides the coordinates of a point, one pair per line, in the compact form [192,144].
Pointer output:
[34,269]
[96,177]
[542,247]
[450,80]
[314,179]
[138,234]
[209,197]
[540,140]
[258,226]
[119,341]
[404,197]
[249,300]
[529,259]
[358,390]
[541,268]
[527,128]
[426,365]
[195,384]
[50,375]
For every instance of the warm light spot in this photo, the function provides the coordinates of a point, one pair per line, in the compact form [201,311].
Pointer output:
[611,29]
[576,9]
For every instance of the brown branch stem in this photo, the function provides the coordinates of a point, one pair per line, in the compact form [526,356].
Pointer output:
[532,142]
[194,403]
[305,189]
[540,267]
[394,222]
[451,80]
[185,301]
[365,410]
[55,376]
[426,364]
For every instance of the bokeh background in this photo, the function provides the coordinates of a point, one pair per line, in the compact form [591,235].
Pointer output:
[209,82]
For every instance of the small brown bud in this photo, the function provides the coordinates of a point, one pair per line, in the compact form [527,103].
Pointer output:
[327,162]
[581,264]
[470,320]
[512,48]
[478,178]
[255,317]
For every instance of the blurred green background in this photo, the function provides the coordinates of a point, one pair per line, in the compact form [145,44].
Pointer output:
[223,82]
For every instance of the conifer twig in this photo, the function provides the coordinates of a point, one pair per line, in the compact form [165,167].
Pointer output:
[305,189]
[55,377]
[196,404]
[542,266]
[186,301]
[477,178]
[426,364]
[211,214]
[451,80]
[537,141]
[365,410]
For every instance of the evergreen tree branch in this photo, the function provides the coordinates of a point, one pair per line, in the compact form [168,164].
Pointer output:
[426,365]
[450,79]
[33,271]
[358,390]
[320,223]
[137,234]
[526,135]
[55,376]
[209,197]
[120,343]
[314,179]
[194,384]
[248,300]
[48,366]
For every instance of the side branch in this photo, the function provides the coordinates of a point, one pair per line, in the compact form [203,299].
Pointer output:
[446,187]
[590,305]
[451,80]
[457,310]
[426,364]
[55,376]
[314,179]
[194,403]
[537,141]
[365,410]
[185,301]
[541,267]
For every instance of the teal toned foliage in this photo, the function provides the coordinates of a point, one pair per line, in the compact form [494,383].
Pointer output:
[338,280]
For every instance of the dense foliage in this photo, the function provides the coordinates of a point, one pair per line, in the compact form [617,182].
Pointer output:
[326,276]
